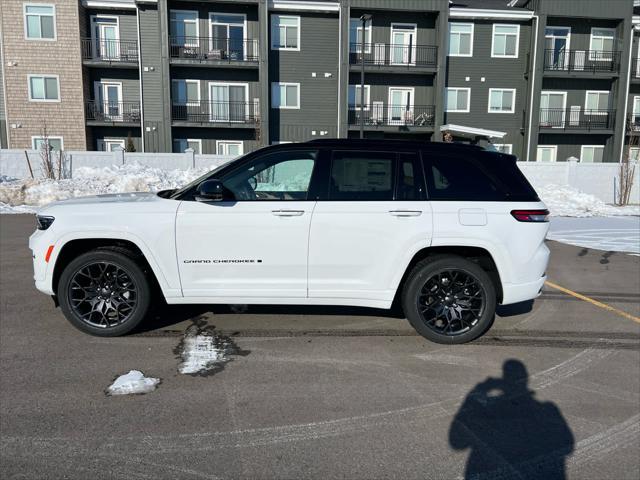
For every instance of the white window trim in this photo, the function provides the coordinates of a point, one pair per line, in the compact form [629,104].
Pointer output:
[591,37]
[564,105]
[631,150]
[407,26]
[186,80]
[367,28]
[554,148]
[513,104]
[55,21]
[94,20]
[43,75]
[51,137]
[104,141]
[278,85]
[582,147]
[277,47]
[468,109]
[503,145]
[493,35]
[97,85]
[470,54]
[367,97]
[586,96]
[244,28]
[197,24]
[227,84]
[230,142]
[195,140]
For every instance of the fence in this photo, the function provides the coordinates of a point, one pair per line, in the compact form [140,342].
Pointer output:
[598,179]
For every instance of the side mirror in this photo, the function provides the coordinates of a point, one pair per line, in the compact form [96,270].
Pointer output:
[210,191]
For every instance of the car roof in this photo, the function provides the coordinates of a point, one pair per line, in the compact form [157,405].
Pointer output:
[388,144]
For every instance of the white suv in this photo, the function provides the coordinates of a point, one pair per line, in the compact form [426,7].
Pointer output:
[446,230]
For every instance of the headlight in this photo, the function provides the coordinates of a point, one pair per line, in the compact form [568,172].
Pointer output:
[43,222]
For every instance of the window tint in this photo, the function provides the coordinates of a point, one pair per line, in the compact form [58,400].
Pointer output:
[410,183]
[275,176]
[362,176]
[486,177]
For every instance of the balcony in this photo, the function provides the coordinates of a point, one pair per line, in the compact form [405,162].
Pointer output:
[390,57]
[122,53]
[216,114]
[379,115]
[577,62]
[576,119]
[112,113]
[213,51]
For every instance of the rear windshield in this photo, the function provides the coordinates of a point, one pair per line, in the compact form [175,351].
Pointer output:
[485,176]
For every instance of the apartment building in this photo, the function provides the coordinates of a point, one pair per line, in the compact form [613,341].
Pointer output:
[542,79]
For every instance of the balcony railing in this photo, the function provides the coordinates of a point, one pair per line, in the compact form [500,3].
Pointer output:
[213,49]
[216,112]
[576,119]
[380,114]
[113,112]
[113,51]
[385,54]
[581,61]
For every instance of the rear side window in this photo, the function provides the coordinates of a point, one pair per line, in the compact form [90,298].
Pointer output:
[362,176]
[484,177]
[410,182]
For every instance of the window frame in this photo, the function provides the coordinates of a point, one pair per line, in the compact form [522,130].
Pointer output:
[215,83]
[513,98]
[582,149]
[554,148]
[271,30]
[187,140]
[244,29]
[592,37]
[493,36]
[470,54]
[197,23]
[229,142]
[367,31]
[502,145]
[637,156]
[468,109]
[105,141]
[598,111]
[275,85]
[186,80]
[51,137]
[43,76]
[367,97]
[24,21]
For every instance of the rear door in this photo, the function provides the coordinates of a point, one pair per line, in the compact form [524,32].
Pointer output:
[367,227]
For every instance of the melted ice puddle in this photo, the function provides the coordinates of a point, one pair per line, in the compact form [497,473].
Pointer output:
[203,352]
[133,382]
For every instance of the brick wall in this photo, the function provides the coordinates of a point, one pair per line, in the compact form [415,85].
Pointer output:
[60,57]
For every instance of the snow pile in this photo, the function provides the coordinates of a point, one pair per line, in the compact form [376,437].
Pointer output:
[24,195]
[133,382]
[201,351]
[565,201]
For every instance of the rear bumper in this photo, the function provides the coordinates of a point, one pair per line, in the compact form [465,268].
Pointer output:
[521,292]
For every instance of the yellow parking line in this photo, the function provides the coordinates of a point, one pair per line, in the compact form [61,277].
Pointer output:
[604,306]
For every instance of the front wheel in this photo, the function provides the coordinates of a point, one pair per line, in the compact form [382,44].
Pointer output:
[449,299]
[104,292]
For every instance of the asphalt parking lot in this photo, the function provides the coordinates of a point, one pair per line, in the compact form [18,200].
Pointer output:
[329,393]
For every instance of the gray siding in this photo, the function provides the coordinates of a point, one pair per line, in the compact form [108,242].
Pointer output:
[569,145]
[585,8]
[380,83]
[210,135]
[126,21]
[128,78]
[205,9]
[581,29]
[318,96]
[116,133]
[416,5]
[207,75]
[381,25]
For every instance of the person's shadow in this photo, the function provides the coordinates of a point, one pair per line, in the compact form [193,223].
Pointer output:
[509,432]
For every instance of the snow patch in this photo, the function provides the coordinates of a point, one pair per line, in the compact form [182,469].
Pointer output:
[131,383]
[565,201]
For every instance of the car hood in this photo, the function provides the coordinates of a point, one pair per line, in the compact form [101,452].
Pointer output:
[107,198]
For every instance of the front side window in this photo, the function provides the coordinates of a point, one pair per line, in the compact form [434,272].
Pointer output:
[502,100]
[362,176]
[40,22]
[355,35]
[460,39]
[285,95]
[274,176]
[596,103]
[409,184]
[457,99]
[591,153]
[355,96]
[44,88]
[505,41]
[285,32]
[54,143]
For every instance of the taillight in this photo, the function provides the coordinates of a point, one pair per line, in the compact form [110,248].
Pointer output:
[531,215]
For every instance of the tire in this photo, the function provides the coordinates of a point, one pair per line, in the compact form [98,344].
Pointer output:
[121,302]
[430,303]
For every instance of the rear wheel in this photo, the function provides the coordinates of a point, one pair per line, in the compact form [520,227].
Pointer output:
[104,292]
[449,299]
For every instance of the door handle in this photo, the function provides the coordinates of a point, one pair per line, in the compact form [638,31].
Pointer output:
[405,213]
[287,213]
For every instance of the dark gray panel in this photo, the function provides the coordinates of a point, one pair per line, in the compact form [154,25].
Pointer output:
[417,5]
[118,133]
[584,8]
[569,145]
[210,135]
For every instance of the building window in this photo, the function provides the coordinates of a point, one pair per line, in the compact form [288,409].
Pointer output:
[110,144]
[285,95]
[184,28]
[460,39]
[634,154]
[547,153]
[226,147]
[591,153]
[505,41]
[457,100]
[185,92]
[504,147]
[228,102]
[227,33]
[181,144]
[502,100]
[596,102]
[355,35]
[55,143]
[602,43]
[285,32]
[44,88]
[355,95]
[40,21]
[635,114]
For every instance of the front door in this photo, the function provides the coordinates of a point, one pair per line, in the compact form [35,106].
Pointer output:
[557,48]
[228,35]
[109,100]
[255,242]
[401,106]
[228,102]
[403,44]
